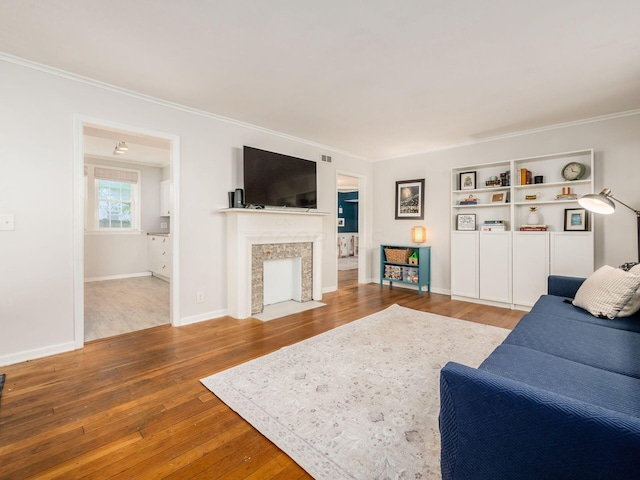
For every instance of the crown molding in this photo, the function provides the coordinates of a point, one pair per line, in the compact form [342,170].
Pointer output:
[521,133]
[5,57]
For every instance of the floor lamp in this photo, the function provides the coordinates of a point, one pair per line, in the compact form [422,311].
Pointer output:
[602,203]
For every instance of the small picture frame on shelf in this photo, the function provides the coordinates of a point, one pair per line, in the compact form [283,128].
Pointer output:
[341,222]
[468,181]
[466,222]
[499,197]
[575,220]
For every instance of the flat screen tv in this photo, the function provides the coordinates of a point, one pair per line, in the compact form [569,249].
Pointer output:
[276,180]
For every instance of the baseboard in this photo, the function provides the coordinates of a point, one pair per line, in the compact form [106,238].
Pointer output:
[36,353]
[442,291]
[202,317]
[329,289]
[117,277]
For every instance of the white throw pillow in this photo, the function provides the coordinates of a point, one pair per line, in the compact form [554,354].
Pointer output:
[607,291]
[632,305]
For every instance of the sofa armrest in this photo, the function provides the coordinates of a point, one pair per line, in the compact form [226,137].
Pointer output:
[563,286]
[495,428]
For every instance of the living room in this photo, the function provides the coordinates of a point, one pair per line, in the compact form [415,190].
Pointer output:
[45,105]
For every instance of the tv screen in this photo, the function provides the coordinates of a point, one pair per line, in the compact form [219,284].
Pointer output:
[276,180]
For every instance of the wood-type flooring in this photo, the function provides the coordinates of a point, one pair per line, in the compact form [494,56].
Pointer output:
[132,406]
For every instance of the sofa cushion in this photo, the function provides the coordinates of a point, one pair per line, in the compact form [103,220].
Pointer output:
[607,291]
[633,305]
[611,349]
[599,387]
[557,307]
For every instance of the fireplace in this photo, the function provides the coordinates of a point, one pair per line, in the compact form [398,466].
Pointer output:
[254,236]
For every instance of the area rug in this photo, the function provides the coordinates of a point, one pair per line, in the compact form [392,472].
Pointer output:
[360,401]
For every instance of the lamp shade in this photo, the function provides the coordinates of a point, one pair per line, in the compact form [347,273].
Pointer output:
[418,234]
[598,203]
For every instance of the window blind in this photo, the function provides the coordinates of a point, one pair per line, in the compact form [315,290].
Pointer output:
[115,175]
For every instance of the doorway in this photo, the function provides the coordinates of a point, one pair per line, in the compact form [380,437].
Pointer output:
[126,205]
[348,230]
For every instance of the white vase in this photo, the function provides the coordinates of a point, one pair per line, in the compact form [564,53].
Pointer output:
[534,218]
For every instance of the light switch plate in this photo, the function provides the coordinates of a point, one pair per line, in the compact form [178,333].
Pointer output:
[7,221]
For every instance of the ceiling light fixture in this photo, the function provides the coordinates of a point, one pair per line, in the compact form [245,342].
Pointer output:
[121,147]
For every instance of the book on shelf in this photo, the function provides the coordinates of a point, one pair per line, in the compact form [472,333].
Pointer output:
[468,202]
[534,228]
[494,222]
[494,226]
[567,196]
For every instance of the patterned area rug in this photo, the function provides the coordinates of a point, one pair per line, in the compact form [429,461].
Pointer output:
[360,401]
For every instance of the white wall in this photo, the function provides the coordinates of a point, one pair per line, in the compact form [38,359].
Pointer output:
[616,143]
[36,184]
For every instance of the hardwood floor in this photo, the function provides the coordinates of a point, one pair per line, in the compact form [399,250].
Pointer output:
[133,407]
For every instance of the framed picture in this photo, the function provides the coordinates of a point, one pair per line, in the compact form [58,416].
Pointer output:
[500,197]
[468,181]
[410,199]
[341,222]
[466,221]
[575,220]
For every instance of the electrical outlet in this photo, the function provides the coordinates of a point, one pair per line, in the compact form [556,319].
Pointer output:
[200,296]
[7,221]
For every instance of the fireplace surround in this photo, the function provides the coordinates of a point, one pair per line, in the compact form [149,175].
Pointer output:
[284,234]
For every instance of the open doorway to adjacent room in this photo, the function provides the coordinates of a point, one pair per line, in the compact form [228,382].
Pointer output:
[348,244]
[127,231]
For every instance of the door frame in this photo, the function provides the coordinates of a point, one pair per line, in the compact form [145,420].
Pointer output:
[362,225]
[79,122]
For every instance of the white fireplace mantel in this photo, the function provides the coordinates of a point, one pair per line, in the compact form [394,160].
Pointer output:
[248,227]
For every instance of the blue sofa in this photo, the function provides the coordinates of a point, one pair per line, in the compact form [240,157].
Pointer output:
[558,399]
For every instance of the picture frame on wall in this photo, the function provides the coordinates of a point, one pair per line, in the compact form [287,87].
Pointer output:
[575,220]
[468,181]
[466,222]
[410,199]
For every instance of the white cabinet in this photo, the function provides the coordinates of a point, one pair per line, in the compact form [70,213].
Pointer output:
[572,254]
[530,267]
[465,264]
[511,267]
[495,266]
[481,266]
[165,198]
[159,253]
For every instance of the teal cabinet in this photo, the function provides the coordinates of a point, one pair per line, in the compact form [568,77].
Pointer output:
[395,267]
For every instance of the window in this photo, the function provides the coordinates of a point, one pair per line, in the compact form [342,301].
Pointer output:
[115,204]
[113,199]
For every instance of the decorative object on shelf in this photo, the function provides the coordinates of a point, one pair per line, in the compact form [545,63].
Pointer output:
[397,255]
[500,197]
[575,220]
[566,194]
[534,228]
[413,259]
[468,181]
[525,176]
[418,235]
[573,171]
[466,221]
[602,203]
[538,179]
[494,226]
[341,222]
[534,217]
[530,198]
[493,182]
[410,199]
[470,200]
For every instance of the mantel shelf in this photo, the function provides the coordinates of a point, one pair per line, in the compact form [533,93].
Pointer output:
[281,211]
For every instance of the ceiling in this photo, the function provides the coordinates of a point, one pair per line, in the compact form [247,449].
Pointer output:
[375,78]
[100,142]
